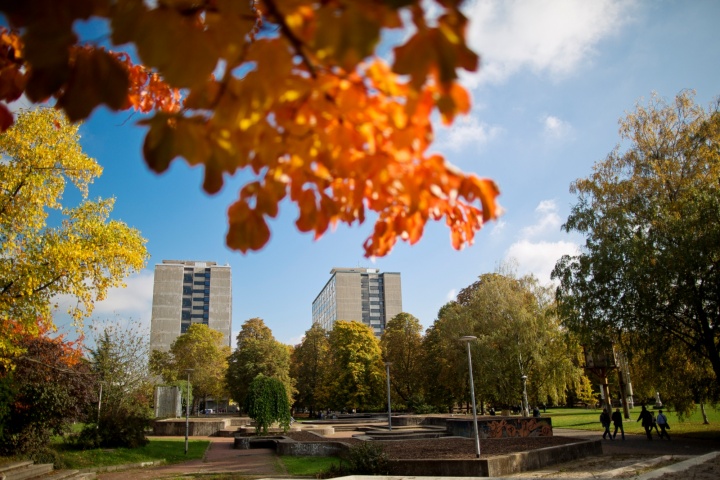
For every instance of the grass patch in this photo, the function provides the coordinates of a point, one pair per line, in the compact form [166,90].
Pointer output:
[172,451]
[308,466]
[588,419]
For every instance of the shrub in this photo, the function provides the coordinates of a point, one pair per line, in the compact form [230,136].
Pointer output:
[126,429]
[368,458]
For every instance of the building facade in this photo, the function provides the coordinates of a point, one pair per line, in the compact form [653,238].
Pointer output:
[359,294]
[187,292]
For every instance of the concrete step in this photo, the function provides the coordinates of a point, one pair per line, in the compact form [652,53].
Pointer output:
[25,470]
[12,466]
[70,475]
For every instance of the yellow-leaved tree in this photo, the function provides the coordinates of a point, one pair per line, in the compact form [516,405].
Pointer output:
[48,249]
[291,91]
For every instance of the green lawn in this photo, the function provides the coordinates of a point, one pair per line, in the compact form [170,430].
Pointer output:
[307,466]
[172,451]
[587,419]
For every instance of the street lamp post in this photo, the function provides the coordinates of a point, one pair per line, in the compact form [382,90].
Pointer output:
[187,409]
[387,376]
[526,408]
[467,339]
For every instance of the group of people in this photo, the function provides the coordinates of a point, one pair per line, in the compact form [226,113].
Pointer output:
[649,421]
[617,421]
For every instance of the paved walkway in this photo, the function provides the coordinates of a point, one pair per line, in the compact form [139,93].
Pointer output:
[221,457]
[640,445]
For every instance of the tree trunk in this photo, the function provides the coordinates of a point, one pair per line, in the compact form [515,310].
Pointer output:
[704,415]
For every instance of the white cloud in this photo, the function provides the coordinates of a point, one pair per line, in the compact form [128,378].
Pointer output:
[552,37]
[498,227]
[451,295]
[137,296]
[555,128]
[548,220]
[539,258]
[534,252]
[466,131]
[134,301]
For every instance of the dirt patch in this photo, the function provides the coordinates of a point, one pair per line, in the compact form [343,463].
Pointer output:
[457,448]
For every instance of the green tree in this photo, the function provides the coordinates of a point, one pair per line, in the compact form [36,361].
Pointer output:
[356,373]
[651,218]
[257,352]
[444,359]
[308,364]
[202,350]
[517,335]
[401,344]
[267,402]
[123,411]
[84,253]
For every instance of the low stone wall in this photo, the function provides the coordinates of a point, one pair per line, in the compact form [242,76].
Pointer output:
[311,449]
[286,446]
[501,427]
[196,427]
[497,466]
[535,459]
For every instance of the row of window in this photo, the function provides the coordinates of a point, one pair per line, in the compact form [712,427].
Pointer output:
[189,290]
[187,315]
[185,325]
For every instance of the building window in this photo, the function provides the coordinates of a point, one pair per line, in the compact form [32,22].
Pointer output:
[186,302]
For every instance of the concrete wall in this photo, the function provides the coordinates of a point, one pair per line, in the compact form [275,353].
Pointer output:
[202,428]
[393,295]
[167,402]
[497,466]
[501,427]
[166,306]
[311,449]
[536,459]
[221,301]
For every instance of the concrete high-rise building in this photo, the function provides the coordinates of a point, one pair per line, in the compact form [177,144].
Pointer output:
[360,294]
[187,292]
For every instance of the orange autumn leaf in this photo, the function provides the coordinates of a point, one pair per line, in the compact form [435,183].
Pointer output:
[309,111]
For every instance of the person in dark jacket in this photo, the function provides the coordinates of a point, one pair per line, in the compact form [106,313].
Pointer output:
[617,420]
[647,421]
[605,421]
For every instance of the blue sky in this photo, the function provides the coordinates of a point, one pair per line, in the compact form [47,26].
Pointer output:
[555,78]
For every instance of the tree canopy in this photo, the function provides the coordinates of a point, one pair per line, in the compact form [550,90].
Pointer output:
[356,374]
[267,402]
[650,213]
[202,350]
[517,334]
[123,411]
[81,253]
[257,352]
[44,388]
[293,92]
[401,344]
[309,363]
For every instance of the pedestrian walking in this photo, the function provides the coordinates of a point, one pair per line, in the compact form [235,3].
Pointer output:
[618,423]
[663,424]
[647,421]
[654,424]
[605,421]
